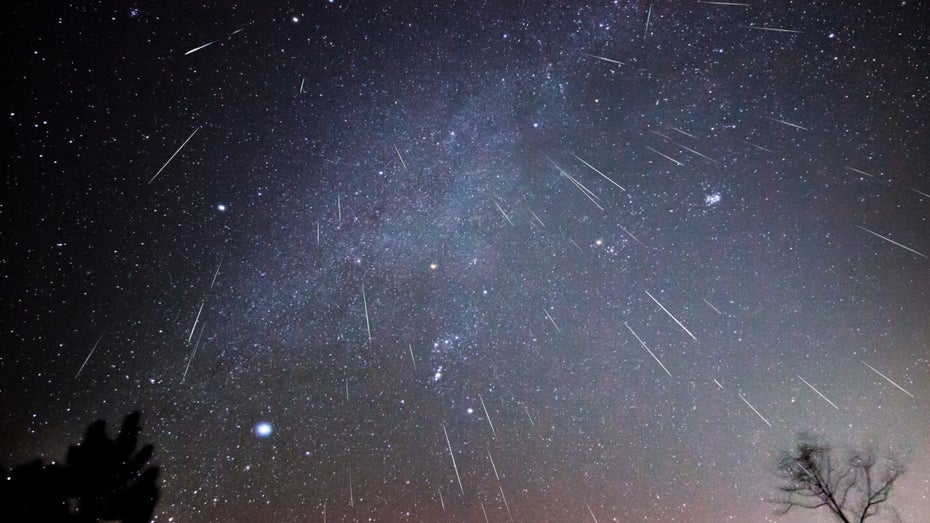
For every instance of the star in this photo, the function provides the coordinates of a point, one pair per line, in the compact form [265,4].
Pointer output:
[263,429]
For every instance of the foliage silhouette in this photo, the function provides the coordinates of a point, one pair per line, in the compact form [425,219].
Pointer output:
[101,479]
[852,490]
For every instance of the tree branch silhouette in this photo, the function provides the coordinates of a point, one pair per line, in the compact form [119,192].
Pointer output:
[852,491]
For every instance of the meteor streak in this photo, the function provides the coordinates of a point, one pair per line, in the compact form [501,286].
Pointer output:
[175,154]
[789,124]
[818,392]
[598,172]
[873,233]
[604,59]
[888,379]
[640,340]
[488,416]
[401,157]
[367,324]
[778,29]
[754,410]
[92,351]
[672,317]
[194,50]
[451,455]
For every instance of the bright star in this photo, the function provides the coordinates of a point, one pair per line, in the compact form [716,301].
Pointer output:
[221,207]
[263,429]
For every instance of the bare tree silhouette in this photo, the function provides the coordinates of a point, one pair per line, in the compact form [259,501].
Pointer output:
[101,479]
[851,489]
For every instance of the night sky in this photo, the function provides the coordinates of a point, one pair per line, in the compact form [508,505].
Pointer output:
[624,250]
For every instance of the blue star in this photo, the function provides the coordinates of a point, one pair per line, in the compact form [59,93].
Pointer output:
[263,429]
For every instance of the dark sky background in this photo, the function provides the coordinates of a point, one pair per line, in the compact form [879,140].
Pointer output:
[365,222]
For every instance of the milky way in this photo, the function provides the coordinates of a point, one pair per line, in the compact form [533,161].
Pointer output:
[507,260]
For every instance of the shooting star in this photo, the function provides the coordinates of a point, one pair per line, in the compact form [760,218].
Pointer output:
[528,416]
[646,31]
[657,133]
[640,340]
[664,156]
[604,59]
[506,505]
[347,390]
[318,232]
[536,218]
[892,241]
[692,151]
[175,154]
[493,466]
[726,3]
[818,392]
[237,31]
[712,307]
[853,169]
[488,416]
[339,208]
[553,163]
[806,471]
[789,124]
[89,355]
[505,214]
[367,324]
[672,317]
[351,493]
[454,466]
[754,409]
[756,146]
[591,512]
[194,50]
[302,80]
[215,274]
[485,512]
[401,157]
[777,29]
[887,379]
[718,383]
[584,190]
[598,172]
[550,319]
[587,192]
[193,353]
[684,133]
[195,322]
[441,501]
[921,193]
[622,228]
[411,356]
